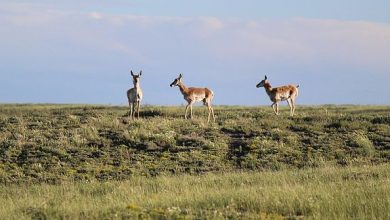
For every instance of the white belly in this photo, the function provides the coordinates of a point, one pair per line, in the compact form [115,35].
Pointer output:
[283,96]
[195,98]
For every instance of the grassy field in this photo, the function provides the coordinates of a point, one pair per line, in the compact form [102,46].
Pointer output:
[73,161]
[321,193]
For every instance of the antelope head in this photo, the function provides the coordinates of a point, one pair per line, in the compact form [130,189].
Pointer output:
[136,77]
[262,83]
[176,81]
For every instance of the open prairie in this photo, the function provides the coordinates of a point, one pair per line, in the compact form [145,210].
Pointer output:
[74,161]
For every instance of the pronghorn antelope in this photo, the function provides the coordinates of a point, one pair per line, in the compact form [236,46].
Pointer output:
[192,95]
[288,93]
[134,95]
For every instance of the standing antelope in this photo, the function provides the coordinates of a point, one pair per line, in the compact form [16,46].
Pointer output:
[288,93]
[134,95]
[192,95]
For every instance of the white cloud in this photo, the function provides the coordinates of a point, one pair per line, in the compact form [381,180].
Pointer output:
[352,42]
[212,23]
[37,39]
[301,41]
[307,41]
[96,15]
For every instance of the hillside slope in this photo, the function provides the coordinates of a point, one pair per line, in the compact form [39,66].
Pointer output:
[53,143]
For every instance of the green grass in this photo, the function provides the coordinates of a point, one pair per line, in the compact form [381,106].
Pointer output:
[53,143]
[321,193]
[74,161]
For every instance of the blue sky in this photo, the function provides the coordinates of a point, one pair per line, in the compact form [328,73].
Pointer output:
[82,52]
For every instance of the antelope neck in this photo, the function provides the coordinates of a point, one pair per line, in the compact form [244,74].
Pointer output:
[268,87]
[136,85]
[183,88]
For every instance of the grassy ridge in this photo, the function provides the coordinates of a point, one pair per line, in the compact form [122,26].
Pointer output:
[55,143]
[80,162]
[321,193]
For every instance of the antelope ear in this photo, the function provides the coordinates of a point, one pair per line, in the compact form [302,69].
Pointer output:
[265,77]
[131,71]
[140,73]
[180,76]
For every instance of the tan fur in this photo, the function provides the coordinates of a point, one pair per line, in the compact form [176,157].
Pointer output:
[135,95]
[283,93]
[192,95]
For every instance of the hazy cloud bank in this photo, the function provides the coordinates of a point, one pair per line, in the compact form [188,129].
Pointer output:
[91,46]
